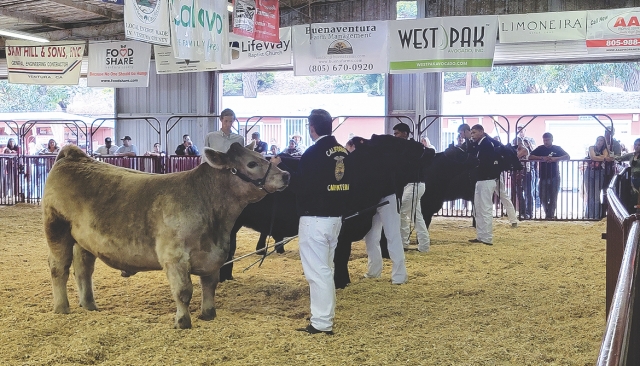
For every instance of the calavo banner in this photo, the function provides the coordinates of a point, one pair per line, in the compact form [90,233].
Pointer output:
[537,27]
[613,31]
[55,63]
[249,53]
[199,30]
[442,44]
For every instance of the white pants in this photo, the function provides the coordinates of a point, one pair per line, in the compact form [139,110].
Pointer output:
[386,217]
[482,201]
[506,202]
[409,209]
[317,239]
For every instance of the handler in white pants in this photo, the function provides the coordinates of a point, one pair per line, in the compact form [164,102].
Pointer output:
[410,207]
[506,202]
[483,202]
[386,217]
[318,238]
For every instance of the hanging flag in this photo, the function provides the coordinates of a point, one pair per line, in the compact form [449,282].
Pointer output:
[247,54]
[199,30]
[257,19]
[167,64]
[122,64]
[613,31]
[54,63]
[147,21]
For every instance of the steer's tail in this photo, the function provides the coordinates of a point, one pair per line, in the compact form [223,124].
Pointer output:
[71,152]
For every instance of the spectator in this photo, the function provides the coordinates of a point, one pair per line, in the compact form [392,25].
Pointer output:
[594,177]
[260,146]
[293,149]
[298,138]
[187,147]
[157,151]
[51,149]
[613,145]
[530,144]
[11,148]
[274,150]
[549,155]
[222,140]
[524,183]
[634,161]
[107,148]
[426,142]
[127,149]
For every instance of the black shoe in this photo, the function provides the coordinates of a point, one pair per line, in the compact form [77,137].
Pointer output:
[479,241]
[311,330]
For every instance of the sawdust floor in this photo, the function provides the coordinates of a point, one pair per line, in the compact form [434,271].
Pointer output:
[536,297]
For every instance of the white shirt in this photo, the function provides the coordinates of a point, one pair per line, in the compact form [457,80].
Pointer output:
[125,149]
[103,150]
[219,141]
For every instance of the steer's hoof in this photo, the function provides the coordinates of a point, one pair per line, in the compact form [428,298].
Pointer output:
[89,306]
[208,315]
[61,309]
[183,322]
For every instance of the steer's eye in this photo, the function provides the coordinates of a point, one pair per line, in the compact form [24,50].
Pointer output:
[252,164]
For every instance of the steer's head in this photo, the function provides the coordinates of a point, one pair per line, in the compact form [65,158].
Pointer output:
[250,168]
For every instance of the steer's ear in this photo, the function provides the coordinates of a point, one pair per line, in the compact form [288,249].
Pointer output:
[216,159]
[252,145]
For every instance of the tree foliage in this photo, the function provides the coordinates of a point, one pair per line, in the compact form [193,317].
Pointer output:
[35,98]
[232,82]
[372,84]
[406,9]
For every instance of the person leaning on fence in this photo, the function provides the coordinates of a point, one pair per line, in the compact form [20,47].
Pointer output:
[594,177]
[549,155]
[187,147]
[322,188]
[260,146]
[292,149]
[221,140]
[107,148]
[634,162]
[12,148]
[157,151]
[51,149]
[274,150]
[127,148]
[524,183]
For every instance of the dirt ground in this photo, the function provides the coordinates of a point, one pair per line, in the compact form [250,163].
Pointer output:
[536,297]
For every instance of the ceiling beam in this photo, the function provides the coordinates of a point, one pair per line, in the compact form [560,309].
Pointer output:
[102,32]
[80,5]
[25,17]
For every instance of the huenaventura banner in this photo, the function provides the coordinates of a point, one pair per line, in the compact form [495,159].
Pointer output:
[147,21]
[613,31]
[251,54]
[442,44]
[540,27]
[340,48]
[199,30]
[123,64]
[167,64]
[54,63]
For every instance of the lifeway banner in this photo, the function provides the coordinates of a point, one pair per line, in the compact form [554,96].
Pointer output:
[147,21]
[199,30]
[340,48]
[257,19]
[123,64]
[540,27]
[613,31]
[251,54]
[442,44]
[54,63]
[167,64]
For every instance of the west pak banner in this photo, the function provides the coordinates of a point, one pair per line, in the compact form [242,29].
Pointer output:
[257,19]
[167,64]
[199,30]
[252,54]
[340,48]
[123,64]
[540,27]
[613,31]
[147,21]
[53,63]
[442,44]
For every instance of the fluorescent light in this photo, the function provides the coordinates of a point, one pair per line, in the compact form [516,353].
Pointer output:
[22,36]
[230,7]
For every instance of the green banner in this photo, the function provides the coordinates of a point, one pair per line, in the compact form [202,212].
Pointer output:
[462,64]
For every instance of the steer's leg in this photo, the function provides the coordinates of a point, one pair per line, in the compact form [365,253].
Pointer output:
[341,263]
[209,284]
[60,241]
[181,289]
[83,266]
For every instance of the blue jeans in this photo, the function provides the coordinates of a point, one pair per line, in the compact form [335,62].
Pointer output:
[549,188]
[593,182]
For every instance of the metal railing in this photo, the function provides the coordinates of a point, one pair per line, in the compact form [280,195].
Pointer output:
[9,179]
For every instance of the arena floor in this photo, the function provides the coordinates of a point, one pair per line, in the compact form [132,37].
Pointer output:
[536,297]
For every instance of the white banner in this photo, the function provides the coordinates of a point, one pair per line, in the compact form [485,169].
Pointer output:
[199,30]
[442,44]
[123,64]
[54,63]
[147,21]
[539,27]
[613,31]
[340,48]
[249,54]
[167,64]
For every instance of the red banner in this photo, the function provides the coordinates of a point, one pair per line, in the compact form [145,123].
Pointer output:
[257,19]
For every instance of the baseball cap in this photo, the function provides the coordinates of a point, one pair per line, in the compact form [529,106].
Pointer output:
[108,139]
[126,138]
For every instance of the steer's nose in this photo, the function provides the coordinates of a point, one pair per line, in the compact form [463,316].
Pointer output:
[285,177]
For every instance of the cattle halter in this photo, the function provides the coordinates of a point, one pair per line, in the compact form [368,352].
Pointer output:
[260,183]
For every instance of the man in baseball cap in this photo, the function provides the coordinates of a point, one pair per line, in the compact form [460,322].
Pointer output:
[127,149]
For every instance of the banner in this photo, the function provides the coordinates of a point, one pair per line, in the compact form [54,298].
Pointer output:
[199,30]
[147,21]
[442,44]
[539,27]
[257,19]
[123,64]
[613,31]
[251,54]
[167,64]
[340,48]
[53,63]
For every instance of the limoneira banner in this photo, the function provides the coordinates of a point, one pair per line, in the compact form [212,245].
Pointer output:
[442,44]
